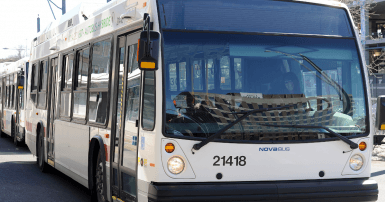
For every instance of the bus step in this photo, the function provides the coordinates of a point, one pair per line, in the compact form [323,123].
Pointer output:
[50,162]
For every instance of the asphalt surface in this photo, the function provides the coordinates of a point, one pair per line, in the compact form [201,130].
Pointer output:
[378,174]
[21,179]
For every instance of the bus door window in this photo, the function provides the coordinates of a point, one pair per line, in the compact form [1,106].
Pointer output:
[43,83]
[80,87]
[119,104]
[130,138]
[129,157]
[148,114]
[13,79]
[9,92]
[34,79]
[101,52]
[66,85]
[133,60]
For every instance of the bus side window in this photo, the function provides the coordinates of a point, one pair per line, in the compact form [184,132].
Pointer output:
[66,85]
[43,84]
[225,73]
[33,83]
[80,87]
[182,76]
[173,77]
[238,73]
[210,74]
[100,74]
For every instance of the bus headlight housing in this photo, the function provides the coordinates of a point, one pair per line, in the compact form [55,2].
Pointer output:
[356,162]
[175,165]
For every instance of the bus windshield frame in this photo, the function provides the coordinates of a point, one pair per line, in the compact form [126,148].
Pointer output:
[289,56]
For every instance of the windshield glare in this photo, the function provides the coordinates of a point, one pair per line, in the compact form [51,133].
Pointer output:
[209,77]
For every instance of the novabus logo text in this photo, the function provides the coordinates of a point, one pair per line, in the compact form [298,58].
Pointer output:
[274,149]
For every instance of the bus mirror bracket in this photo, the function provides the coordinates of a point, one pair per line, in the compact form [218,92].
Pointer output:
[148,50]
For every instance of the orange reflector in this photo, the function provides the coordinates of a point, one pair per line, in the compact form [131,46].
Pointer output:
[382,126]
[144,4]
[147,65]
[362,146]
[137,51]
[174,102]
[169,147]
[107,135]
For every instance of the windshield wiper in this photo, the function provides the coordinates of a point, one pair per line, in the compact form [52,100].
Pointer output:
[333,83]
[352,144]
[246,114]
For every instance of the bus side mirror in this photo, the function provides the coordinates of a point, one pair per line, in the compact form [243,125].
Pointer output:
[148,53]
[20,84]
[380,114]
[148,50]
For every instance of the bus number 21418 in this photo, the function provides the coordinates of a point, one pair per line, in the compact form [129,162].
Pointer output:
[238,160]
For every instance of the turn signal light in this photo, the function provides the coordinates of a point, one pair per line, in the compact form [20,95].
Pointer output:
[169,147]
[362,146]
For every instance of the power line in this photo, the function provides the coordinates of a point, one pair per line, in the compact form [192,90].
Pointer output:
[51,9]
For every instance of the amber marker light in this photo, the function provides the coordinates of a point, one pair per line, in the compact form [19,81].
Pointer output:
[169,147]
[362,146]
[147,65]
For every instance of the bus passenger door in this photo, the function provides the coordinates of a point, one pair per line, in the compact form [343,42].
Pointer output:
[51,110]
[126,131]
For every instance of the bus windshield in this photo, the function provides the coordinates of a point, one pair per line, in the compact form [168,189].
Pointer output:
[211,77]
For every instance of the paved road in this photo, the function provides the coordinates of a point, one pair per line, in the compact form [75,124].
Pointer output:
[378,174]
[21,179]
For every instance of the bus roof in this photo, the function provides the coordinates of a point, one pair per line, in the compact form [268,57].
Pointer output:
[89,20]
[13,67]
[85,22]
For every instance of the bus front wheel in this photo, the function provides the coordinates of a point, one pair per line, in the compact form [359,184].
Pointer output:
[97,192]
[40,152]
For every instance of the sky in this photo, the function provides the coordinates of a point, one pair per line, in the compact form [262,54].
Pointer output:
[18,21]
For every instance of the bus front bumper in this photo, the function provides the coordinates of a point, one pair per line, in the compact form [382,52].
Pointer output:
[320,190]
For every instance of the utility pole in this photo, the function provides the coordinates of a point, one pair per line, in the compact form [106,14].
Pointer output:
[63,7]
[38,23]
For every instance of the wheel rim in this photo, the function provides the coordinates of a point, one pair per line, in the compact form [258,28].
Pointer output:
[99,181]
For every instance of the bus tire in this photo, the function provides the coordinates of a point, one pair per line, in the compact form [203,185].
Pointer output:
[43,166]
[13,132]
[97,192]
[2,135]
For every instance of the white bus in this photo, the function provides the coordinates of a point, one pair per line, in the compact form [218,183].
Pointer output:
[190,100]
[12,100]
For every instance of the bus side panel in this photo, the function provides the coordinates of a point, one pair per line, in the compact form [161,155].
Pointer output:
[71,147]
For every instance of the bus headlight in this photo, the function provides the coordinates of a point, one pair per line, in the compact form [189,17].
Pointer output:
[175,165]
[356,162]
